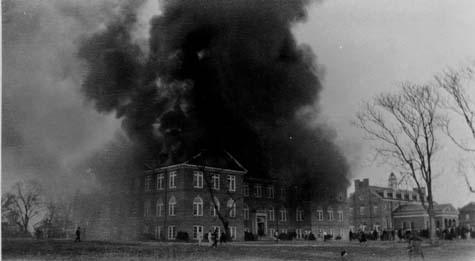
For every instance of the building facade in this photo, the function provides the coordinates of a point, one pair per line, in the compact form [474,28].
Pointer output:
[193,197]
[202,194]
[415,217]
[331,217]
[467,215]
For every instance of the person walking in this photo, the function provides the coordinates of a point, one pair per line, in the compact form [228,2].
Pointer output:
[78,235]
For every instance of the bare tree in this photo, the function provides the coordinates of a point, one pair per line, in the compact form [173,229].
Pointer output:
[404,128]
[460,86]
[27,205]
[223,211]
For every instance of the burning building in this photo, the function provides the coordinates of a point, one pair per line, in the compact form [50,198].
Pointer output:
[217,76]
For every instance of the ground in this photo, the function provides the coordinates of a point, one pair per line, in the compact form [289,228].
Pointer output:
[285,250]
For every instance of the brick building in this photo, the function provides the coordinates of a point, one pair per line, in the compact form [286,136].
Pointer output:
[180,197]
[372,207]
[467,215]
[191,196]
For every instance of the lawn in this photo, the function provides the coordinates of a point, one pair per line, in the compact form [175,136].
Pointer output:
[97,250]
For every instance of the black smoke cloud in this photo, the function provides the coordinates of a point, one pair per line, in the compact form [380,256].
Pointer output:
[217,75]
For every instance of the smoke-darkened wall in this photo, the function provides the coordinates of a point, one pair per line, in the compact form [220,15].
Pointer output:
[217,75]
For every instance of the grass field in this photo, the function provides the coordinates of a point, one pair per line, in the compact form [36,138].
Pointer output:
[97,250]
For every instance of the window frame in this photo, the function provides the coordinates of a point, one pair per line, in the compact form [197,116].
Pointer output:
[159,184]
[231,183]
[198,179]
[172,235]
[172,180]
[198,206]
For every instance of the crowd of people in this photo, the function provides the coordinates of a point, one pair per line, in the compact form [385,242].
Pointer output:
[455,232]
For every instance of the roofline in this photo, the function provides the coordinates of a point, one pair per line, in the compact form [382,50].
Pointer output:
[184,165]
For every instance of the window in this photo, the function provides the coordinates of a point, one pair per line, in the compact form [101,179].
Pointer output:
[198,207]
[271,214]
[197,232]
[467,216]
[330,215]
[198,179]
[284,230]
[340,215]
[320,215]
[231,207]
[146,208]
[245,212]
[171,206]
[159,208]
[148,181]
[245,190]
[258,191]
[362,210]
[171,180]
[171,232]
[299,214]
[159,181]
[216,182]
[375,209]
[231,183]
[283,193]
[232,231]
[214,207]
[270,191]
[283,215]
[158,231]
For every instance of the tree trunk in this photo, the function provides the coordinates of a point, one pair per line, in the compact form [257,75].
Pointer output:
[430,211]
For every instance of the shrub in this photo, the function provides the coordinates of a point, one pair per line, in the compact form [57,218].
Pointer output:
[283,236]
[182,236]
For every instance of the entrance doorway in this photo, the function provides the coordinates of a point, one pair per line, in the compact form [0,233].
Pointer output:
[261,225]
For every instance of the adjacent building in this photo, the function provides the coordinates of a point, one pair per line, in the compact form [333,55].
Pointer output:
[467,215]
[372,207]
[414,217]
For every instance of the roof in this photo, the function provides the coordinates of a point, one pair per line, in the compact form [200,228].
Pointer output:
[418,209]
[216,159]
[469,207]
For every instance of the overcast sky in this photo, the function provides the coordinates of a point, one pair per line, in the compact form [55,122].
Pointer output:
[368,47]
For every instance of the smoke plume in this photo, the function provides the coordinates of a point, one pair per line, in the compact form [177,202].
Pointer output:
[217,75]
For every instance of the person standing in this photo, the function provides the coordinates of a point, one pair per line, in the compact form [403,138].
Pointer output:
[215,238]
[78,235]
[210,238]
[200,237]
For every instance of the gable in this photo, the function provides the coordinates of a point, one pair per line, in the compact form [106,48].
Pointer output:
[216,159]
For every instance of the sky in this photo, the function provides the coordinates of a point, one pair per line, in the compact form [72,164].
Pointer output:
[364,46]
[369,46]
